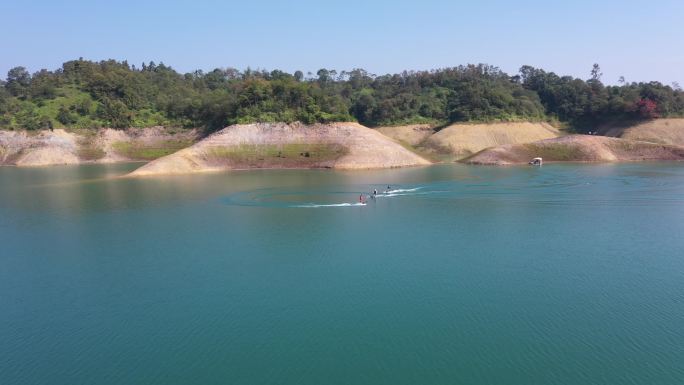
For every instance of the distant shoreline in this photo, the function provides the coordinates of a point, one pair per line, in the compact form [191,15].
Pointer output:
[339,146]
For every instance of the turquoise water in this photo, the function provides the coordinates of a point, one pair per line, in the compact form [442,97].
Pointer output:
[565,274]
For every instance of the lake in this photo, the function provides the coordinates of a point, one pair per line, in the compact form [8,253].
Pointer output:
[561,274]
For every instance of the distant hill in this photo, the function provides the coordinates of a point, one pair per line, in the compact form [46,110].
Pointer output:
[116,94]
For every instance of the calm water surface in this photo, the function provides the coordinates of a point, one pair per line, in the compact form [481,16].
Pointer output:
[565,274]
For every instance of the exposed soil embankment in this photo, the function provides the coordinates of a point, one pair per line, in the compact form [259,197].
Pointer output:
[55,147]
[280,145]
[38,149]
[412,134]
[463,140]
[662,131]
[579,148]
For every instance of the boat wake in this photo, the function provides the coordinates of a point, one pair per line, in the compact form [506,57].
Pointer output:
[314,205]
[556,186]
[312,199]
[402,190]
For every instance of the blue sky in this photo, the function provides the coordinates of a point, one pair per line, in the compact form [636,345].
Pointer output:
[639,40]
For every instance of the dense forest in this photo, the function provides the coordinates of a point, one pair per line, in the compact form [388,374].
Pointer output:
[86,94]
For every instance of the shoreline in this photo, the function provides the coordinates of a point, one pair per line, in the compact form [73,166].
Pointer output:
[342,145]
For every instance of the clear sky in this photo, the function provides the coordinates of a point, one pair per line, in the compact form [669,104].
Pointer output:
[640,40]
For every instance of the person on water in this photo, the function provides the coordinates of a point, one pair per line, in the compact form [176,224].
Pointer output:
[361,199]
[388,189]
[375,192]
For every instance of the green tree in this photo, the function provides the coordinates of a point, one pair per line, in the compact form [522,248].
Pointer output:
[299,76]
[65,116]
[596,73]
[4,98]
[43,85]
[114,113]
[18,82]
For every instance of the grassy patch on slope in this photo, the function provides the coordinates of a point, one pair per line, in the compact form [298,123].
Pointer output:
[286,155]
[150,151]
[90,152]
[554,151]
[88,148]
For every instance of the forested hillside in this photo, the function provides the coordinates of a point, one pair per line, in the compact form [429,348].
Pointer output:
[85,94]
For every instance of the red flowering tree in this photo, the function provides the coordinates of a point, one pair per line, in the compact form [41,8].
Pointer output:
[647,108]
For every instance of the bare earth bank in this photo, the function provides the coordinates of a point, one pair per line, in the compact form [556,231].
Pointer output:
[578,148]
[106,145]
[463,140]
[662,131]
[411,134]
[280,145]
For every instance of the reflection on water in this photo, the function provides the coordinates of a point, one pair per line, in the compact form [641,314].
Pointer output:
[563,274]
[83,188]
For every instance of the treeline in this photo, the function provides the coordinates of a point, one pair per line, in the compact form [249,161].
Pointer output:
[85,94]
[588,104]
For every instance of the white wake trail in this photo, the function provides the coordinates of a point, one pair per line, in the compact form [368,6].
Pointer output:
[313,205]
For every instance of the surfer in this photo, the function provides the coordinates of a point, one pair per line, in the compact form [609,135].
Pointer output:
[375,192]
[361,199]
[388,189]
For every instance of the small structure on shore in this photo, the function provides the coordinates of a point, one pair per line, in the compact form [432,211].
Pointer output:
[536,162]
